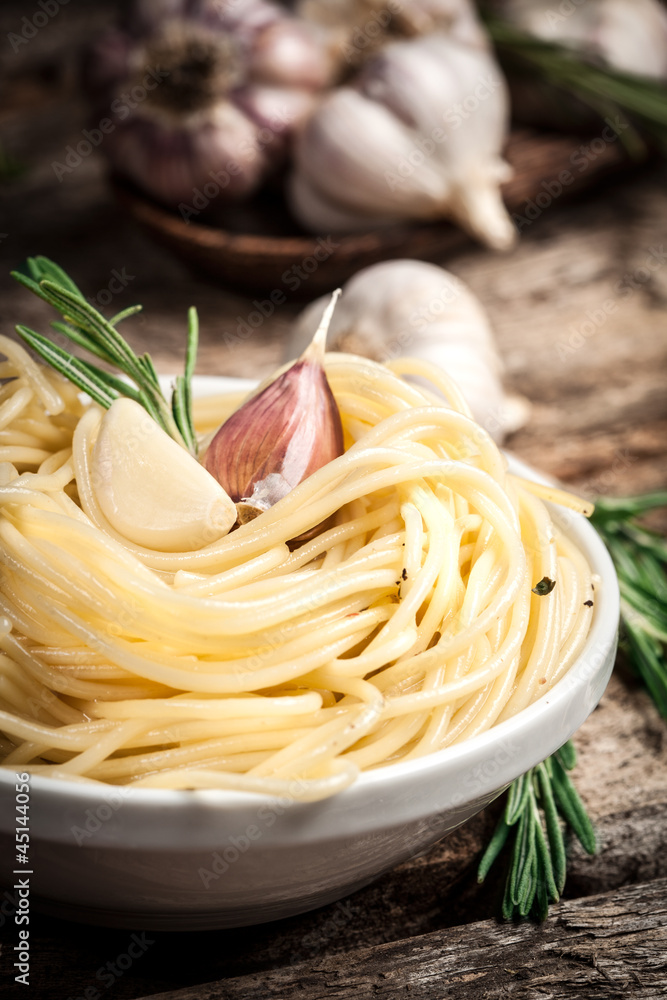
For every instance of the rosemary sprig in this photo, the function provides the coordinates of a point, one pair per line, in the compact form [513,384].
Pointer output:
[640,558]
[538,800]
[89,329]
[609,93]
[538,805]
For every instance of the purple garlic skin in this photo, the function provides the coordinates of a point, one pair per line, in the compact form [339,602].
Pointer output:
[204,96]
[277,439]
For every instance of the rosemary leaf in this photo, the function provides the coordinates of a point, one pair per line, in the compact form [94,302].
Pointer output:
[119,386]
[50,270]
[544,861]
[516,798]
[148,366]
[89,329]
[72,368]
[554,832]
[180,410]
[30,284]
[82,340]
[192,344]
[148,403]
[124,314]
[495,846]
[640,558]
[567,755]
[571,806]
[538,801]
[80,313]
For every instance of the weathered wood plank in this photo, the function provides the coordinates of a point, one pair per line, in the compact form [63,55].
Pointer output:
[614,945]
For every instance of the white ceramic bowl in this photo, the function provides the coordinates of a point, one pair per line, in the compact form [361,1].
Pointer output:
[206,859]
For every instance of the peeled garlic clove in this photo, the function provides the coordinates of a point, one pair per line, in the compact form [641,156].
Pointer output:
[150,489]
[281,435]
[418,136]
[409,307]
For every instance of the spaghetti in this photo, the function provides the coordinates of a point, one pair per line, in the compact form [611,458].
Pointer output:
[409,623]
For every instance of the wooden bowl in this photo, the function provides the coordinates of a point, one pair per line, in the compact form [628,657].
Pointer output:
[547,167]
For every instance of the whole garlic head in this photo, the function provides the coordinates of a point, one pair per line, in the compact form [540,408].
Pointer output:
[204,96]
[418,136]
[408,307]
[628,35]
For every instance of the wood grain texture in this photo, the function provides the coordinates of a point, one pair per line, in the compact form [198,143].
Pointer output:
[611,945]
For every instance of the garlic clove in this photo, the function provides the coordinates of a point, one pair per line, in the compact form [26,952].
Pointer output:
[322,214]
[281,435]
[152,491]
[287,54]
[281,110]
[351,149]
[418,135]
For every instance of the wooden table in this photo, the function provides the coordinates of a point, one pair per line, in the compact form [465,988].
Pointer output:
[596,379]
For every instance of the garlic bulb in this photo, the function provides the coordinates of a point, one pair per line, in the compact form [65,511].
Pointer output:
[281,435]
[628,35]
[150,489]
[202,98]
[418,136]
[408,307]
[356,29]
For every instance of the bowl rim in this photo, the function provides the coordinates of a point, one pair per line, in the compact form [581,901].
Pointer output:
[592,659]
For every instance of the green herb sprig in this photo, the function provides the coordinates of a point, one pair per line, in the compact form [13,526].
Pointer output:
[544,799]
[89,329]
[538,805]
[607,92]
[640,558]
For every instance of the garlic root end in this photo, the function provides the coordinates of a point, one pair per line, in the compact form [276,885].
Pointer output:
[481,211]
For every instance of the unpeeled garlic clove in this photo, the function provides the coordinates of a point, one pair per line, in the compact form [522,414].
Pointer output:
[152,491]
[280,436]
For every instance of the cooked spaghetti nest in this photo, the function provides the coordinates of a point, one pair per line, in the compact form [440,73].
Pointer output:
[406,625]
